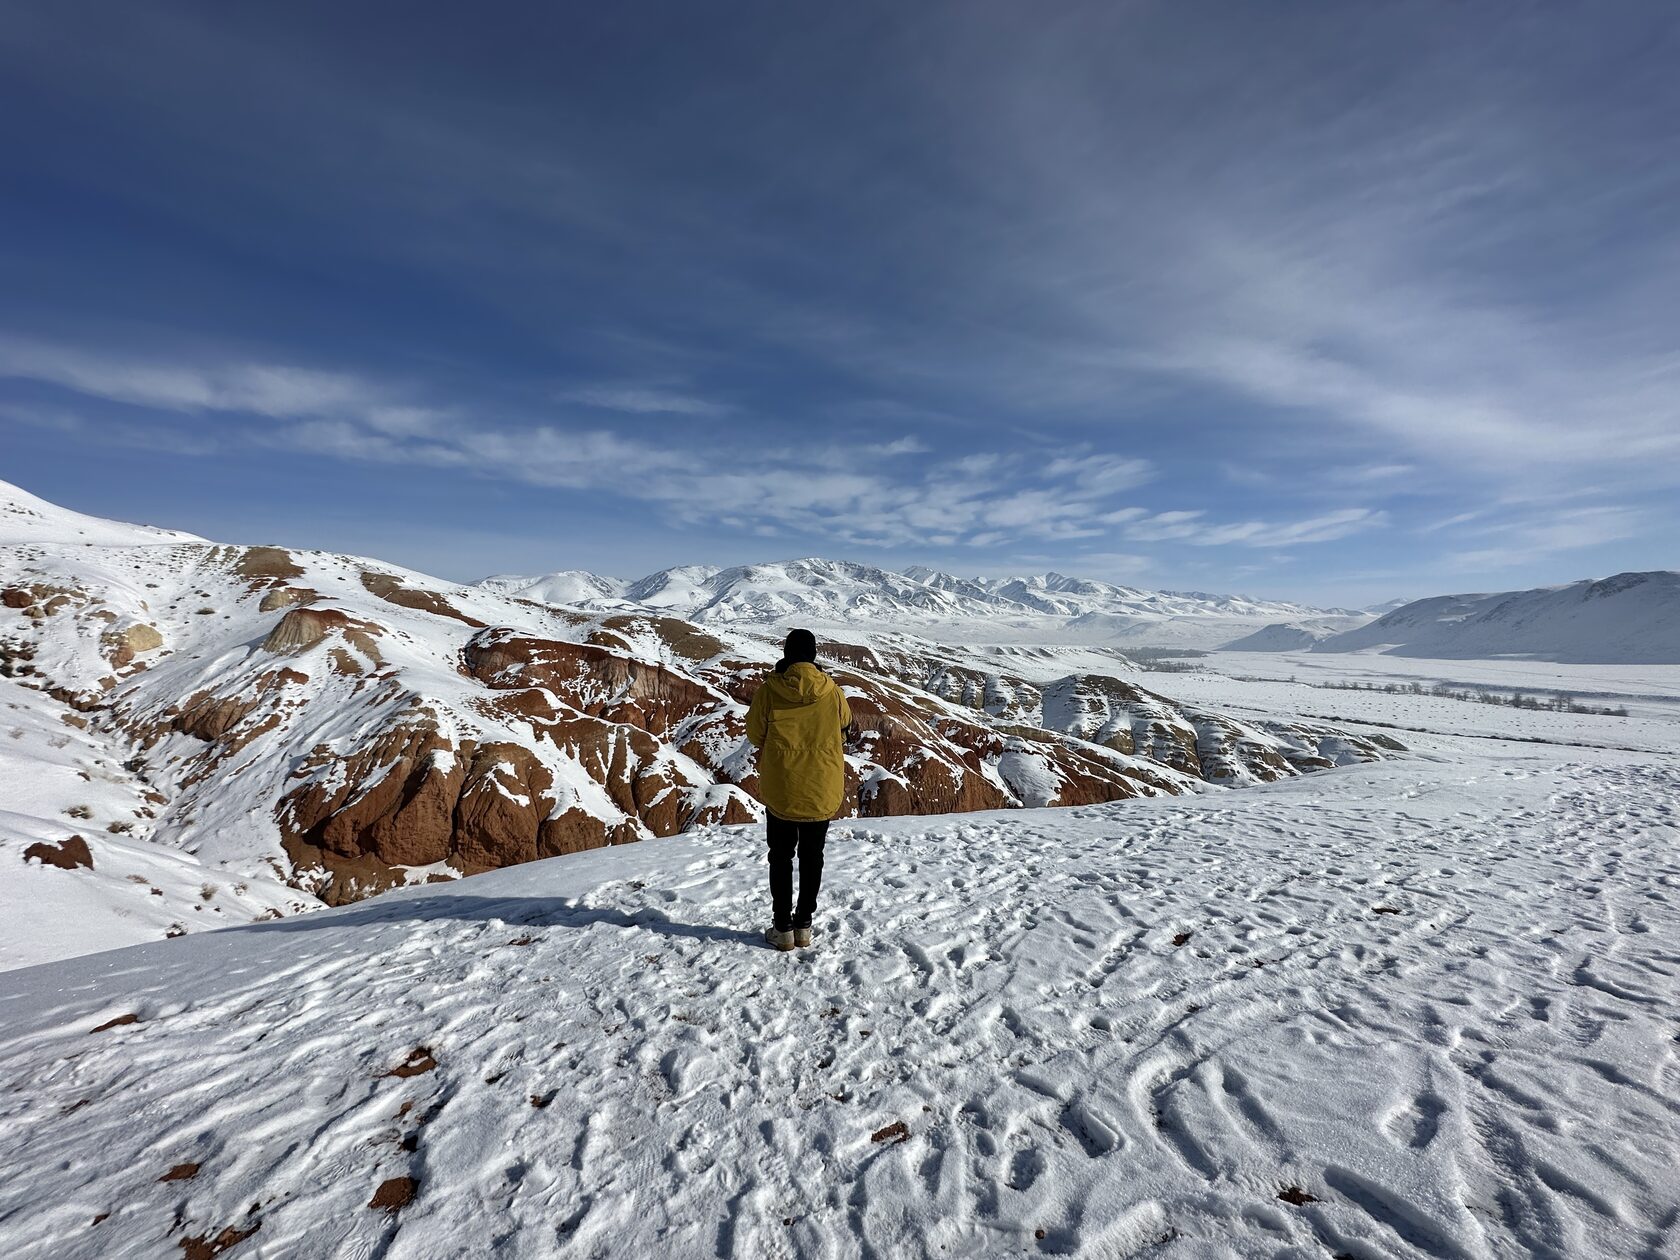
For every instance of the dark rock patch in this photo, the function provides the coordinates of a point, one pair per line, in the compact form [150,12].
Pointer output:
[67,855]
[419,1061]
[394,1195]
[204,1247]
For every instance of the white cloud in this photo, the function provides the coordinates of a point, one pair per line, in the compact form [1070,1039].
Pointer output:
[1531,538]
[646,400]
[979,500]
[1192,527]
[275,391]
[899,446]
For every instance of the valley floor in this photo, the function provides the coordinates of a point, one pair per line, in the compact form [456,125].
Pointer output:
[1420,1008]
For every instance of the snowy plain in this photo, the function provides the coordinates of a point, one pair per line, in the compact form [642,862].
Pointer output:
[1416,1008]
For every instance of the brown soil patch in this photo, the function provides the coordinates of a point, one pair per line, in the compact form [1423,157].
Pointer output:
[394,1194]
[392,591]
[419,1061]
[67,855]
[1296,1196]
[895,1132]
[181,1172]
[118,1022]
[267,564]
[1183,938]
[204,1247]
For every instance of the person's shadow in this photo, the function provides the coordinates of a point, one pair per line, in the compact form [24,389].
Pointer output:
[516,912]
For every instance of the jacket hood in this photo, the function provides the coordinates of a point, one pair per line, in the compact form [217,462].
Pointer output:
[800,683]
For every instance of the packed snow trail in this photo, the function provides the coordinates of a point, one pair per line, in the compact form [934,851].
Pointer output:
[1433,1006]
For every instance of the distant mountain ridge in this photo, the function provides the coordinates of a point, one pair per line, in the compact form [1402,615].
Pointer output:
[840,592]
[1626,619]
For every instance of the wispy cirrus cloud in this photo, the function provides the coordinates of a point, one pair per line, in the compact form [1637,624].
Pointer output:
[1193,527]
[1502,545]
[645,400]
[873,494]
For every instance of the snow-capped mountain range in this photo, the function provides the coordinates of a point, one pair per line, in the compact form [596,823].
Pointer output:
[835,593]
[1630,618]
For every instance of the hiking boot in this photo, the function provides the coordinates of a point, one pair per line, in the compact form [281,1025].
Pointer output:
[778,939]
[802,937]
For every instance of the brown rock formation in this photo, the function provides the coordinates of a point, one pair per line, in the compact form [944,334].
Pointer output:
[285,597]
[302,628]
[122,645]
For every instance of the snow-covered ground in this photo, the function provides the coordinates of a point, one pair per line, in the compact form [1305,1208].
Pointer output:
[1413,1008]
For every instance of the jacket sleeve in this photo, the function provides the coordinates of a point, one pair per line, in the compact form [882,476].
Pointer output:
[758,717]
[845,710]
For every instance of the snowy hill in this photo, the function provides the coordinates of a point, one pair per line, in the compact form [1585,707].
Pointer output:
[1629,618]
[27,519]
[1283,636]
[572,587]
[300,724]
[1050,607]
[1403,1011]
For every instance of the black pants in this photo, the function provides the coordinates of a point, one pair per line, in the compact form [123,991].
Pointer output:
[787,838]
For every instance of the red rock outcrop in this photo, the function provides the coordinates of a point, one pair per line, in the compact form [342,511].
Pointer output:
[67,854]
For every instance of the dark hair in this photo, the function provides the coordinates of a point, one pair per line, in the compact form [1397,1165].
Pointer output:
[800,645]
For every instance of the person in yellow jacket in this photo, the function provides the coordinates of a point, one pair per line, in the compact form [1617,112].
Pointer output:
[797,721]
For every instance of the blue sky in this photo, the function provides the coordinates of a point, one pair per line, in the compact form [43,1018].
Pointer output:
[1330,301]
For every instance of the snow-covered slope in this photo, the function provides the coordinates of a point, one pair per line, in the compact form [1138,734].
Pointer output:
[79,869]
[1050,607]
[24,518]
[1628,618]
[1285,636]
[1405,1011]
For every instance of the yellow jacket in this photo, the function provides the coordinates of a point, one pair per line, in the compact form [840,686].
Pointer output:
[795,721]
